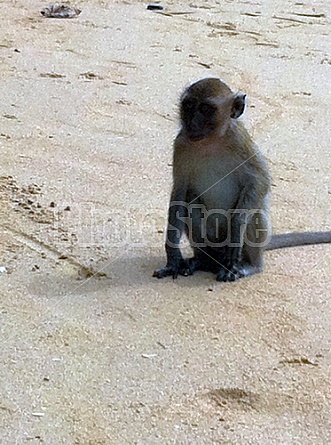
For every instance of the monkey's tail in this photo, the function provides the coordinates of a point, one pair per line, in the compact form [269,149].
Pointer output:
[284,240]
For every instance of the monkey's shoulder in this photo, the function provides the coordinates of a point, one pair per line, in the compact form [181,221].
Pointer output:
[249,151]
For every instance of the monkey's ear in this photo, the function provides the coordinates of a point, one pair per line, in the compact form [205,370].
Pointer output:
[238,105]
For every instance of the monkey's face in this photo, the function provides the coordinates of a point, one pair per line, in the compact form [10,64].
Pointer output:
[199,118]
[207,107]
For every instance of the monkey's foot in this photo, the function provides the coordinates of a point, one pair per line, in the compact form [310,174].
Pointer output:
[193,264]
[232,273]
[183,269]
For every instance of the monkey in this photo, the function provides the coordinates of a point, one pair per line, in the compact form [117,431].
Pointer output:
[221,188]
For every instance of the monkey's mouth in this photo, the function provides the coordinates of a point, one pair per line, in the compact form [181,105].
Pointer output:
[198,134]
[196,137]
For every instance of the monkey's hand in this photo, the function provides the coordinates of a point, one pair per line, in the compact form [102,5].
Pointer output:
[172,269]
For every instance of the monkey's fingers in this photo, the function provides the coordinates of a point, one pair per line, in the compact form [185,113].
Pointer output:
[165,271]
[173,271]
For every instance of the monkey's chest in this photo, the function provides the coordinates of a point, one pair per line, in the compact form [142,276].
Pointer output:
[215,186]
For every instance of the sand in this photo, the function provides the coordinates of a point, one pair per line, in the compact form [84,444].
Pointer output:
[94,350]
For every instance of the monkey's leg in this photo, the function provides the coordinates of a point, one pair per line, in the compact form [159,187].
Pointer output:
[256,236]
[213,260]
[248,231]
[214,249]
[230,256]
[196,236]
[244,255]
[251,260]
[176,264]
[228,270]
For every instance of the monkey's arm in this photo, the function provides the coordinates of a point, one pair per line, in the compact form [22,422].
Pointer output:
[177,217]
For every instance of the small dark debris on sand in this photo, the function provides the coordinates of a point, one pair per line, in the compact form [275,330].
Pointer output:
[60,11]
[152,7]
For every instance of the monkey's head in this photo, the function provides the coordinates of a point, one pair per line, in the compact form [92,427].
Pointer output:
[207,106]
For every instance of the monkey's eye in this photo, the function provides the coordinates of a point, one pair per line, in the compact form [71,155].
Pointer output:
[188,105]
[206,109]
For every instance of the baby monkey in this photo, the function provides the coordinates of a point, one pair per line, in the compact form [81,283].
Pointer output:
[221,186]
